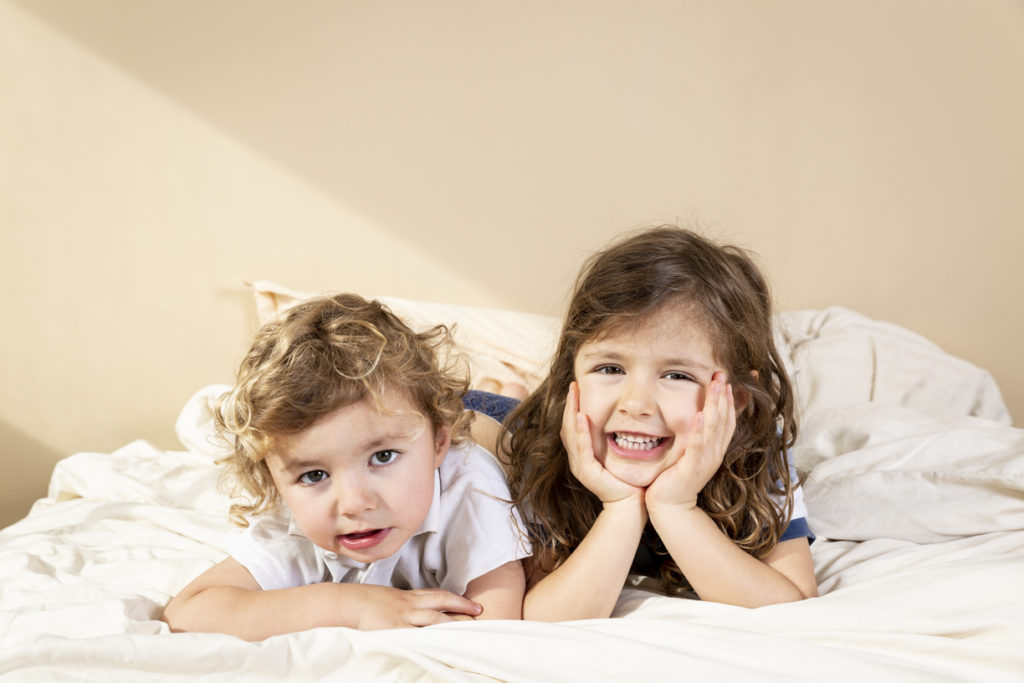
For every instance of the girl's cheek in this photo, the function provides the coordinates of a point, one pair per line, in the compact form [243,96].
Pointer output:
[583,394]
[589,406]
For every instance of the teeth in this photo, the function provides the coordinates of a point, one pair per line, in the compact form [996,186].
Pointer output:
[636,443]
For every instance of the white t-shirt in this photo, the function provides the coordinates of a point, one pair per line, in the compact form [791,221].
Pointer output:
[470,529]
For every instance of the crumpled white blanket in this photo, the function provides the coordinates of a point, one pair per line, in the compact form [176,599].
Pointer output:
[915,488]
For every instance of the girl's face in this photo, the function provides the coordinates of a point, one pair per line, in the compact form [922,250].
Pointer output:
[359,482]
[641,386]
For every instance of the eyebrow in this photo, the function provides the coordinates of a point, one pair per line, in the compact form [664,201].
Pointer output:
[685,362]
[299,465]
[601,353]
[382,441]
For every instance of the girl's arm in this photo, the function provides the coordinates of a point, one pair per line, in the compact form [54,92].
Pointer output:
[587,585]
[720,571]
[717,569]
[227,599]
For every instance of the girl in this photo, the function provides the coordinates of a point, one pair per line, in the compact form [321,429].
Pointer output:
[345,415]
[658,441]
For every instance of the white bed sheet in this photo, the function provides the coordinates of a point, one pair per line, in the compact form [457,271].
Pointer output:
[917,499]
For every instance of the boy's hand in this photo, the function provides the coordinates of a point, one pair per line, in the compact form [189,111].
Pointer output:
[702,452]
[386,607]
[582,462]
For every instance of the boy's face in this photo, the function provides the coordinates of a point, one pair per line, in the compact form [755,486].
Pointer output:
[358,482]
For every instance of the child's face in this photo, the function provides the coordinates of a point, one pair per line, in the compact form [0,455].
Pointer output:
[358,482]
[642,386]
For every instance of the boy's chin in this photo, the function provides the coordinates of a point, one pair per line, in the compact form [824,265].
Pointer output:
[365,557]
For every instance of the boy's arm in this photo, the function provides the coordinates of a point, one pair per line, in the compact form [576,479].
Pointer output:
[499,591]
[227,599]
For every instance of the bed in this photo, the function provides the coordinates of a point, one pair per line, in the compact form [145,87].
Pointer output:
[915,489]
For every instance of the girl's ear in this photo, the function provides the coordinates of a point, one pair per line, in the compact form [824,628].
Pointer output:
[442,441]
[741,396]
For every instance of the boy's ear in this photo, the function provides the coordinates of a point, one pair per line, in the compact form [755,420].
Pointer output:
[442,441]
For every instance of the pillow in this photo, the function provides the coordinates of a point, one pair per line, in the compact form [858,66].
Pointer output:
[196,427]
[508,351]
[881,471]
[837,357]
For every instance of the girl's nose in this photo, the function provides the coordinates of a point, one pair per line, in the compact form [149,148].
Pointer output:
[636,399]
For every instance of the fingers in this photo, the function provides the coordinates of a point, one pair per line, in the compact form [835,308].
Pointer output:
[435,606]
[583,462]
[446,601]
[570,423]
[428,617]
[584,442]
[576,432]
[729,427]
[714,426]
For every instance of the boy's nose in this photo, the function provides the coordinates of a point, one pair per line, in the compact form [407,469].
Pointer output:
[353,496]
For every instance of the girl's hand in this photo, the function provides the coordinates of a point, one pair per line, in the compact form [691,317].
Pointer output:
[704,450]
[584,466]
[386,607]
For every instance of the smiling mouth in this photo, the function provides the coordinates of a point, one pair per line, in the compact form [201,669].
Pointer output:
[637,442]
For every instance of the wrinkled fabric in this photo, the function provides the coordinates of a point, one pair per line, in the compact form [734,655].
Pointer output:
[915,488]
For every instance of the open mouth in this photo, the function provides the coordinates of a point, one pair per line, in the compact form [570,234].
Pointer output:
[637,443]
[361,540]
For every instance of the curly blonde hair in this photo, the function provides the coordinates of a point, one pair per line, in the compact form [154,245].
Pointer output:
[629,281]
[320,355]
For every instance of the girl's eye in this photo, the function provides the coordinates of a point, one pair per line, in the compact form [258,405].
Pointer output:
[313,477]
[383,457]
[608,370]
[680,376]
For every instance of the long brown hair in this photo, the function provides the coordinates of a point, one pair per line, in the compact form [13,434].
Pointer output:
[630,280]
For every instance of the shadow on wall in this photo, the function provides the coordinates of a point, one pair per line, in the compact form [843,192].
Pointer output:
[477,146]
[27,462]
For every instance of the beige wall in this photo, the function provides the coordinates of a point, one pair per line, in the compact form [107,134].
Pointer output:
[153,154]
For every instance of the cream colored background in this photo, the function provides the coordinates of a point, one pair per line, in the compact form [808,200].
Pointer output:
[156,153]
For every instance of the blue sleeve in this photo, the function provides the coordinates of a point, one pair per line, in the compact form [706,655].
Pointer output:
[494,406]
[798,526]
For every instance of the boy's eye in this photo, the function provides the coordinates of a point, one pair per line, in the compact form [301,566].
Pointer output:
[313,477]
[383,457]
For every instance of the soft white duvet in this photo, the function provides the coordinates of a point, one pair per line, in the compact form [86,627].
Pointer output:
[915,490]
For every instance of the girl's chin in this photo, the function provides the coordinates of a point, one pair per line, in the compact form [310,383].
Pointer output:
[640,475]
